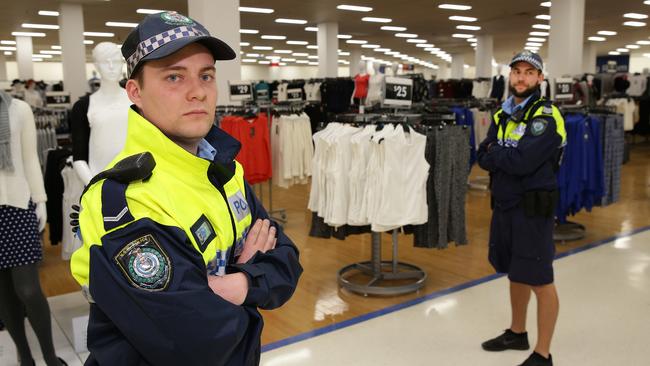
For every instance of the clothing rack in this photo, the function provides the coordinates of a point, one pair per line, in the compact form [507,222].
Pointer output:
[378,270]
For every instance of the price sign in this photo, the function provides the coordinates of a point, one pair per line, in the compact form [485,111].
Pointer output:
[398,92]
[563,89]
[294,95]
[240,90]
[57,99]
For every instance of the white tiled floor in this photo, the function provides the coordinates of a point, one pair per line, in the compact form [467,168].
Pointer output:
[604,296]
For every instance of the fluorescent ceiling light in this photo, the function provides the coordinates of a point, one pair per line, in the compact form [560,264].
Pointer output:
[474,40]
[290,21]
[392,28]
[370,46]
[7,48]
[613,53]
[248,9]
[249,60]
[643,43]
[622,50]
[462,35]
[355,41]
[36,59]
[302,62]
[344,53]
[311,29]
[43,56]
[262,48]
[541,26]
[635,16]
[249,31]
[473,44]
[8,42]
[342,61]
[149,11]
[382,49]
[546,4]
[48,13]
[468,27]
[454,7]
[300,54]
[466,66]
[633,46]
[376,20]
[288,59]
[272,57]
[89,41]
[344,36]
[282,51]
[635,24]
[424,45]
[647,2]
[99,34]
[121,24]
[313,57]
[313,63]
[462,19]
[530,48]
[264,62]
[364,9]
[534,44]
[597,39]
[406,35]
[28,34]
[282,64]
[414,40]
[607,33]
[50,52]
[432,49]
[39,26]
[312,47]
[535,39]
[8,53]
[539,34]
[298,43]
[281,38]
[543,17]
[252,55]
[244,44]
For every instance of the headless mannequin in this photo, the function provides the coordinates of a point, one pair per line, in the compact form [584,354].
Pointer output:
[361,85]
[395,68]
[20,289]
[107,115]
[375,85]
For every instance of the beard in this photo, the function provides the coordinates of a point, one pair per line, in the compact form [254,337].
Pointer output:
[524,94]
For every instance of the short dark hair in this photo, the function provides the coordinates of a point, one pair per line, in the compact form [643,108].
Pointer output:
[138,75]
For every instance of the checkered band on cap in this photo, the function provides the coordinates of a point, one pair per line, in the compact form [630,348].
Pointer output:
[153,43]
[530,58]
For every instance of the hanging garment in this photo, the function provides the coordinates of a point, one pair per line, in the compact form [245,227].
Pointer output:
[255,152]
[292,149]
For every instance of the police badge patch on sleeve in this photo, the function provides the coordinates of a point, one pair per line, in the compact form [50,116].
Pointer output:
[145,264]
[538,126]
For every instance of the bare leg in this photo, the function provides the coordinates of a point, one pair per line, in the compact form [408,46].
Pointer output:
[519,298]
[548,308]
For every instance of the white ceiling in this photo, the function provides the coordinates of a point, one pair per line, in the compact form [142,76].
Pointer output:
[508,21]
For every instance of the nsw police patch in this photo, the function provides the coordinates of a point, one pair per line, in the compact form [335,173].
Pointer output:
[538,126]
[173,18]
[145,264]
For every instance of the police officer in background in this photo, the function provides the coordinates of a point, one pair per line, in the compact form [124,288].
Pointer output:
[522,152]
[178,254]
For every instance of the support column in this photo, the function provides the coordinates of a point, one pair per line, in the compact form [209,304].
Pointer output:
[457,66]
[566,38]
[328,45]
[3,66]
[589,57]
[484,54]
[73,55]
[355,58]
[221,19]
[24,57]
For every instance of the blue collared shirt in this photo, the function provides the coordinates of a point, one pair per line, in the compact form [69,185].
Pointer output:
[509,105]
[206,151]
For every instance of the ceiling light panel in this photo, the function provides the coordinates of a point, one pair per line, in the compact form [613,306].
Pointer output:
[376,20]
[541,26]
[99,34]
[546,4]
[536,39]
[468,27]
[454,7]
[459,18]
[28,34]
[355,41]
[39,26]
[271,37]
[344,36]
[392,28]
[415,40]
[462,35]
[48,13]
[607,33]
[89,41]
[364,9]
[597,39]
[543,17]
[311,29]
[121,24]
[298,43]
[643,43]
[632,46]
[613,53]
[149,11]
[538,34]
[290,21]
[635,16]
[634,24]
[406,35]
[8,42]
[248,9]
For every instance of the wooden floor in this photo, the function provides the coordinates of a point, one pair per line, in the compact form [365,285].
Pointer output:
[318,300]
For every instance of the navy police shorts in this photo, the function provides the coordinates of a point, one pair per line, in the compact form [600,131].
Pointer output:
[522,246]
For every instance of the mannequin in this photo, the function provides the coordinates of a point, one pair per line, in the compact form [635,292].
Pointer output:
[99,121]
[23,214]
[395,68]
[361,85]
[498,85]
[375,85]
[32,96]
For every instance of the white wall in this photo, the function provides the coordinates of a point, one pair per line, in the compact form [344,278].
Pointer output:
[638,63]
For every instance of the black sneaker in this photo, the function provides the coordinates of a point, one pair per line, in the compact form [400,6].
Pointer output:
[535,359]
[508,340]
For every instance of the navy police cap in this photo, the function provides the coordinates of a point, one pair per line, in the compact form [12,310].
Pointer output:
[530,57]
[159,35]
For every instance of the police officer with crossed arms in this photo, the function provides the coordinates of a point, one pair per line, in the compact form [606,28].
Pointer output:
[178,254]
[522,152]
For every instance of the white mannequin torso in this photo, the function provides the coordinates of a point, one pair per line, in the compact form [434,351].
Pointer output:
[108,115]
